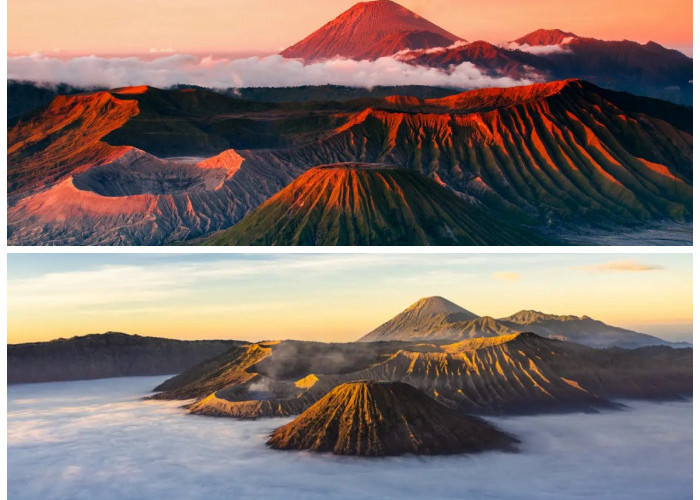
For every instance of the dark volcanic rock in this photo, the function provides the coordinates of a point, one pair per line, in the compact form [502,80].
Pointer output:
[106,355]
[386,418]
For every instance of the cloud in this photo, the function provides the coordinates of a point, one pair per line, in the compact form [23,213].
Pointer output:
[506,276]
[136,285]
[621,266]
[98,439]
[540,50]
[271,71]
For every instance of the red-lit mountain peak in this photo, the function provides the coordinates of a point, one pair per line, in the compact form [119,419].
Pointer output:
[369,30]
[545,37]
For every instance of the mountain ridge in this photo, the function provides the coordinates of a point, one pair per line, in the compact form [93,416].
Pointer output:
[442,326]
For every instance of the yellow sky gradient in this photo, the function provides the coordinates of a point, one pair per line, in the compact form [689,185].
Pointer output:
[266,26]
[330,297]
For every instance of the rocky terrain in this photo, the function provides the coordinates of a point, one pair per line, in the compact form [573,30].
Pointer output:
[521,373]
[106,355]
[361,204]
[372,418]
[438,319]
[145,166]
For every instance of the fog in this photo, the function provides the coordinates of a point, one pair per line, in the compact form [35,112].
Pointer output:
[271,71]
[98,439]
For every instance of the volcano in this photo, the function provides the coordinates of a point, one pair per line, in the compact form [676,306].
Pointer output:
[361,204]
[144,166]
[371,418]
[370,30]
[437,319]
[520,373]
[427,318]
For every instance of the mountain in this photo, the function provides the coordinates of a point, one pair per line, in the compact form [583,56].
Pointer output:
[143,166]
[371,418]
[584,330]
[360,204]
[421,319]
[645,69]
[106,355]
[544,37]
[549,55]
[443,324]
[521,373]
[370,30]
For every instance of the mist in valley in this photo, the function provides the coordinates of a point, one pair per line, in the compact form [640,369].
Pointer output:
[90,439]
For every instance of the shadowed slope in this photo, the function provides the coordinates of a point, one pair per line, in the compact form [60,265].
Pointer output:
[386,418]
[369,205]
[106,355]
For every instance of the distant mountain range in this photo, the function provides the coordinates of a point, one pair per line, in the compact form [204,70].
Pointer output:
[146,166]
[438,319]
[106,355]
[370,30]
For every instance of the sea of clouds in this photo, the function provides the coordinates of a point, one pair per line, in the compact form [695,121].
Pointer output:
[270,71]
[99,439]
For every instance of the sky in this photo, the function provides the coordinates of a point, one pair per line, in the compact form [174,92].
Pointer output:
[256,27]
[331,297]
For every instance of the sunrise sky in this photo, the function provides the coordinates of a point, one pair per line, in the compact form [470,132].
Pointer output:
[129,27]
[331,296]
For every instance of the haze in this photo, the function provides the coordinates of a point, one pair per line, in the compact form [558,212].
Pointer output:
[246,27]
[331,297]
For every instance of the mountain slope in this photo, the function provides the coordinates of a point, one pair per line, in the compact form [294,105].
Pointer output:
[370,30]
[509,374]
[584,330]
[421,320]
[106,355]
[557,156]
[369,205]
[385,418]
[447,326]
[646,69]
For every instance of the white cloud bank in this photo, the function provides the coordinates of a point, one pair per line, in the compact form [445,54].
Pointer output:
[97,439]
[540,50]
[271,71]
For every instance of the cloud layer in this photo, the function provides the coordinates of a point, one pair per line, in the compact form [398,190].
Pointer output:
[97,439]
[271,71]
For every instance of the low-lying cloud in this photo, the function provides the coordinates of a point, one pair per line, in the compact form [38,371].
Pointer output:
[270,71]
[98,439]
[540,50]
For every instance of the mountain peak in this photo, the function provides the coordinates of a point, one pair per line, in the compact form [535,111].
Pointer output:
[542,37]
[431,306]
[377,418]
[369,30]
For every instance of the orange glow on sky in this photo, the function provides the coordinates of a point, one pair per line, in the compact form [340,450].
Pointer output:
[266,26]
